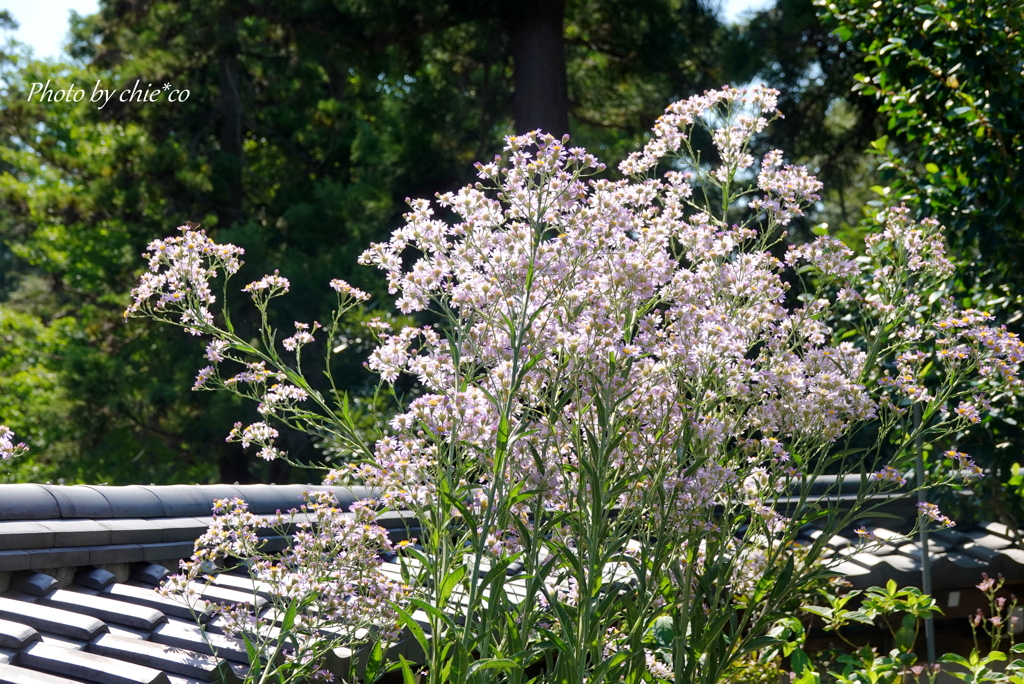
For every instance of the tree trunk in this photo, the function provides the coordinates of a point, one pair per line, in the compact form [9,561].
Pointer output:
[229,161]
[234,463]
[541,98]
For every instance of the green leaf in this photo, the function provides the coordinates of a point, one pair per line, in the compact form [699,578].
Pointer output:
[758,643]
[931,168]
[663,631]
[413,626]
[907,634]
[501,440]
[407,676]
[289,617]
[433,611]
[453,580]
[808,677]
[955,659]
[860,616]
[253,654]
[800,661]
[505,664]
[374,661]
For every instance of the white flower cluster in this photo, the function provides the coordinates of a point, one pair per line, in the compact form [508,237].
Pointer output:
[178,281]
[331,569]
[590,265]
[8,449]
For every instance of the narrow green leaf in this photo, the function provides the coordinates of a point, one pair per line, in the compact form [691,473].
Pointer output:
[505,664]
[407,676]
[413,627]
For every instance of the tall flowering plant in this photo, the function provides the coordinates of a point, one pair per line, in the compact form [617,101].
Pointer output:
[625,408]
[325,591]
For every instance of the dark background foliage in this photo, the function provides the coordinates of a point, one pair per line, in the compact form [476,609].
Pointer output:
[310,122]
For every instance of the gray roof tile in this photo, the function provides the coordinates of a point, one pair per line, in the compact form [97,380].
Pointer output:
[167,551]
[264,498]
[25,534]
[275,543]
[147,596]
[27,502]
[16,595]
[981,552]
[105,608]
[1000,529]
[78,532]
[95,578]
[150,573]
[128,632]
[177,529]
[178,679]
[243,584]
[1013,559]
[160,656]
[868,560]
[898,566]
[89,666]
[883,549]
[62,641]
[992,541]
[44,618]
[79,501]
[132,501]
[848,569]
[119,553]
[835,542]
[958,569]
[133,530]
[13,561]
[950,536]
[216,594]
[890,537]
[189,636]
[34,583]
[188,500]
[935,546]
[15,635]
[217,625]
[58,630]
[47,559]
[137,529]
[11,674]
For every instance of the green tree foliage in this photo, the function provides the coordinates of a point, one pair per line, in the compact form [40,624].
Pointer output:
[826,126]
[949,79]
[948,82]
[306,127]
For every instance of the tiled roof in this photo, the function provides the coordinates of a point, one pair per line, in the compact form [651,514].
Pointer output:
[78,568]
[958,558]
[51,526]
[99,629]
[79,564]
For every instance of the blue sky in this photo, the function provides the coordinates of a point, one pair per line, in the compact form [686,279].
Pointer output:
[44,23]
